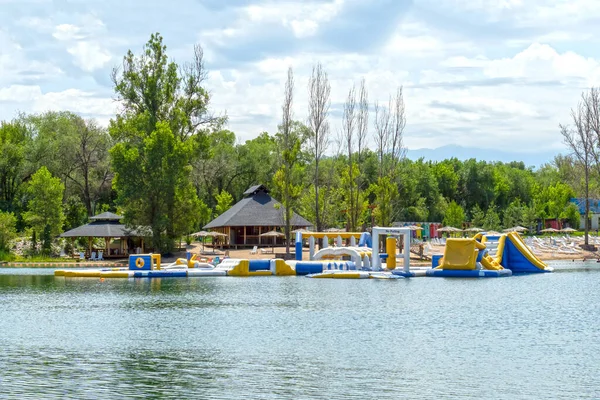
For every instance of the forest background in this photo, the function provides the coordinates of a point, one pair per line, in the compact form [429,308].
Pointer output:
[168,162]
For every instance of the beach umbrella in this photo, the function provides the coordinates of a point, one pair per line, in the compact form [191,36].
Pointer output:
[302,230]
[334,230]
[273,234]
[448,229]
[473,229]
[201,234]
[492,233]
[549,230]
[515,229]
[568,230]
[216,234]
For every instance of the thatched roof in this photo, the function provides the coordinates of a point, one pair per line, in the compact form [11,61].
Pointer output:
[107,216]
[103,228]
[257,208]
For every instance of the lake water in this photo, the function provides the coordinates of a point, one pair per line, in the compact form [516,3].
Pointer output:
[524,337]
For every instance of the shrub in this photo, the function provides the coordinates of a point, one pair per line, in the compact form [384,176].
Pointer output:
[8,230]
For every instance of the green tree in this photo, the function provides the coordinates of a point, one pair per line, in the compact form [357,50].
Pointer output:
[447,179]
[386,194]
[455,215]
[75,212]
[224,201]
[530,217]
[513,215]
[583,142]
[45,194]
[492,219]
[15,140]
[572,216]
[289,140]
[319,91]
[553,200]
[76,151]
[89,168]
[419,211]
[46,240]
[160,130]
[8,230]
[219,165]
[152,181]
[477,216]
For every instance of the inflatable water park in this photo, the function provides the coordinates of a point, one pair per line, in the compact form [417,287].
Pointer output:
[343,255]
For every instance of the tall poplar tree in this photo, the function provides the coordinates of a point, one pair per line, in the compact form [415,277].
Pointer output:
[162,124]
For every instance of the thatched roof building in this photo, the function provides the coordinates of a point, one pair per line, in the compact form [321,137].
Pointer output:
[256,213]
[108,226]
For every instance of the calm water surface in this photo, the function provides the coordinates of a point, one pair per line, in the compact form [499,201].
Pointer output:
[525,337]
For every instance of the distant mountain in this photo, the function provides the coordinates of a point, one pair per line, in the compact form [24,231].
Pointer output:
[465,153]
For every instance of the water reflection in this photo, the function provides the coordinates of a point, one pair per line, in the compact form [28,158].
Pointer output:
[224,338]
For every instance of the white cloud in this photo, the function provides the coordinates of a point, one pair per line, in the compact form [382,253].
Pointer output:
[453,75]
[68,32]
[527,13]
[16,67]
[415,45]
[537,62]
[541,61]
[412,39]
[31,98]
[303,18]
[19,93]
[490,106]
[304,28]
[82,42]
[89,56]
[462,62]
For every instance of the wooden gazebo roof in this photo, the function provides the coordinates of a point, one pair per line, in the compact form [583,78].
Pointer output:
[105,225]
[257,208]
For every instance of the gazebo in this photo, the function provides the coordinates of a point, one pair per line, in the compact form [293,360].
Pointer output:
[108,226]
[253,215]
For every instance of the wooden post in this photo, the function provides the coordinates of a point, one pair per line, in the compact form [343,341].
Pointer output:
[259,237]
[89,246]
[245,235]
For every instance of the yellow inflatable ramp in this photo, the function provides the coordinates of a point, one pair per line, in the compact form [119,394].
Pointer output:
[460,254]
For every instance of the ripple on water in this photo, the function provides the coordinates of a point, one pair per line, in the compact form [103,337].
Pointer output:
[525,337]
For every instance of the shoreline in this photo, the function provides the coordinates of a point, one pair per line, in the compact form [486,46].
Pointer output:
[245,254]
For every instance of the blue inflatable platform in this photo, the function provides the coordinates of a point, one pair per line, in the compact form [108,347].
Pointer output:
[474,273]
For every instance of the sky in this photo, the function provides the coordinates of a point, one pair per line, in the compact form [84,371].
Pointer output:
[493,74]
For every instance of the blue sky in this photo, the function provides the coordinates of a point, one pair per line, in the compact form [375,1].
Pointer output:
[482,73]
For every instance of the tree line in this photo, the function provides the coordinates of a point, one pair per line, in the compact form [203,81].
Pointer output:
[166,161]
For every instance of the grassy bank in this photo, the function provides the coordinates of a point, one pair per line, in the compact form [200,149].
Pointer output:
[11,257]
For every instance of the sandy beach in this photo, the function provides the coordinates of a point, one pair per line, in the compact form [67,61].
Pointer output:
[209,254]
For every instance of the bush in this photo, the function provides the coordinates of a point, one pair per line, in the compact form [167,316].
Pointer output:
[46,241]
[6,256]
[69,249]
[34,246]
[8,230]
[571,214]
